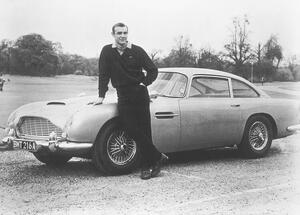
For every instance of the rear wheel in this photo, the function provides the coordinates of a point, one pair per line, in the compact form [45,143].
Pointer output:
[52,159]
[115,152]
[257,137]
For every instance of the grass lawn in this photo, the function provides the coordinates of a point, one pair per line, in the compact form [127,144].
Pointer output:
[21,90]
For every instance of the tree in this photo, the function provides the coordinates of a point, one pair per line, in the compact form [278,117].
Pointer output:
[273,51]
[5,54]
[238,50]
[208,59]
[293,67]
[154,56]
[268,58]
[72,63]
[33,55]
[258,53]
[182,55]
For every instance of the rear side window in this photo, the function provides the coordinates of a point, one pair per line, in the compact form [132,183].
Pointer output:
[242,90]
[210,87]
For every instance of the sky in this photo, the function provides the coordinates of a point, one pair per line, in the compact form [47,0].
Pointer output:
[84,26]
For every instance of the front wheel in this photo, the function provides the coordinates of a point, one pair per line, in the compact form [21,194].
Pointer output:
[52,159]
[257,137]
[115,152]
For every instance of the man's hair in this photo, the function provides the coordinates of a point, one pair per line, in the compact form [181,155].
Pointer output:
[120,24]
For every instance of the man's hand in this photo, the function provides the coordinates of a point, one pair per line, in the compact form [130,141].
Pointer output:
[97,102]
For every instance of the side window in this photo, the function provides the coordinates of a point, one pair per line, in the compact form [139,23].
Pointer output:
[242,90]
[209,87]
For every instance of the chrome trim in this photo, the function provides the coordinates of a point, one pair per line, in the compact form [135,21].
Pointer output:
[61,145]
[293,128]
[164,115]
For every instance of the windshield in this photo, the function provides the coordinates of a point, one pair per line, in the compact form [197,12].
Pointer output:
[169,84]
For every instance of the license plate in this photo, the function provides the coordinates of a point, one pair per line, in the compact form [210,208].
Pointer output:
[28,145]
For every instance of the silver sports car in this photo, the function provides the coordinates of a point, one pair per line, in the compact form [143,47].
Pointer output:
[190,109]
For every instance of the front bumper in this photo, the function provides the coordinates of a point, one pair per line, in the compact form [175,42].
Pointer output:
[59,146]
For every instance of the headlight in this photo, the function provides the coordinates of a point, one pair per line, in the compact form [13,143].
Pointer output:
[67,126]
[10,132]
[11,119]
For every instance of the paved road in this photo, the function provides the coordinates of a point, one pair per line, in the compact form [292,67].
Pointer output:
[204,182]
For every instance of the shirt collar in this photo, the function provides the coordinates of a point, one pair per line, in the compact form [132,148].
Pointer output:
[129,45]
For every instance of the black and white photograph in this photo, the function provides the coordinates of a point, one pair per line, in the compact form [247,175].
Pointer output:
[145,107]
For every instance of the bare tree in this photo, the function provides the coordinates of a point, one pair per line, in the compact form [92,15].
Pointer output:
[238,50]
[207,58]
[182,54]
[258,53]
[154,55]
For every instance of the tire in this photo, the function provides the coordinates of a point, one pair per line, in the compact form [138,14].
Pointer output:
[257,137]
[114,152]
[52,159]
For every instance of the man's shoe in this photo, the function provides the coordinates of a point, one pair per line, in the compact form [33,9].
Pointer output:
[157,166]
[145,174]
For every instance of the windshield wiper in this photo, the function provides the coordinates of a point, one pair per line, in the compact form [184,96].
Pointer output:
[155,95]
[162,95]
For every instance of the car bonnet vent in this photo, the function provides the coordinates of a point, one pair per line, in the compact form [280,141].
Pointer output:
[56,103]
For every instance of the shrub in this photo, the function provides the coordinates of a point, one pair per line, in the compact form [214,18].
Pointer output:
[284,74]
[78,72]
[297,73]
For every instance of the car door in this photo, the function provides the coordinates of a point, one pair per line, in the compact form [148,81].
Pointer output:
[170,87]
[165,123]
[210,117]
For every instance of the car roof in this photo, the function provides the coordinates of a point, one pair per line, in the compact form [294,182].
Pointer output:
[189,71]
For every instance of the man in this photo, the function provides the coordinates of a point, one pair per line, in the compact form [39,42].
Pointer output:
[123,64]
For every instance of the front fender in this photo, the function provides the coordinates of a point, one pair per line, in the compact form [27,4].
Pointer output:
[85,124]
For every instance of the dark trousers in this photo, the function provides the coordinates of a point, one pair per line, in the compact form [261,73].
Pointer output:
[134,113]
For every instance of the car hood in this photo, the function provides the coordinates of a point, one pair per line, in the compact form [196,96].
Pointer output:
[57,111]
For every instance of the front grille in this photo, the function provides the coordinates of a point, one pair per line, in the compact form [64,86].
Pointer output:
[37,127]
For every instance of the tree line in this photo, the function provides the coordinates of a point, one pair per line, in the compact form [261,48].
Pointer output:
[33,55]
[253,62]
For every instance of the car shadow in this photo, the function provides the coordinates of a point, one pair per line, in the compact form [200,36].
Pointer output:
[76,168]
[217,154]
[204,155]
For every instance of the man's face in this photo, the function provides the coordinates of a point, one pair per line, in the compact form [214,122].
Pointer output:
[120,35]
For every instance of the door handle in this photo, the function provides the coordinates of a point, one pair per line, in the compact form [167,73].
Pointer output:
[165,115]
[235,105]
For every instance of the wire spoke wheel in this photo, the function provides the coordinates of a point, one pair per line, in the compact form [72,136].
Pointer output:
[258,135]
[121,149]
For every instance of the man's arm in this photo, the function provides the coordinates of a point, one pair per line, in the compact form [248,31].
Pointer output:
[103,74]
[98,101]
[150,67]
[103,78]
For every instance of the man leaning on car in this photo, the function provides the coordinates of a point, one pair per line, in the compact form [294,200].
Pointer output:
[123,64]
